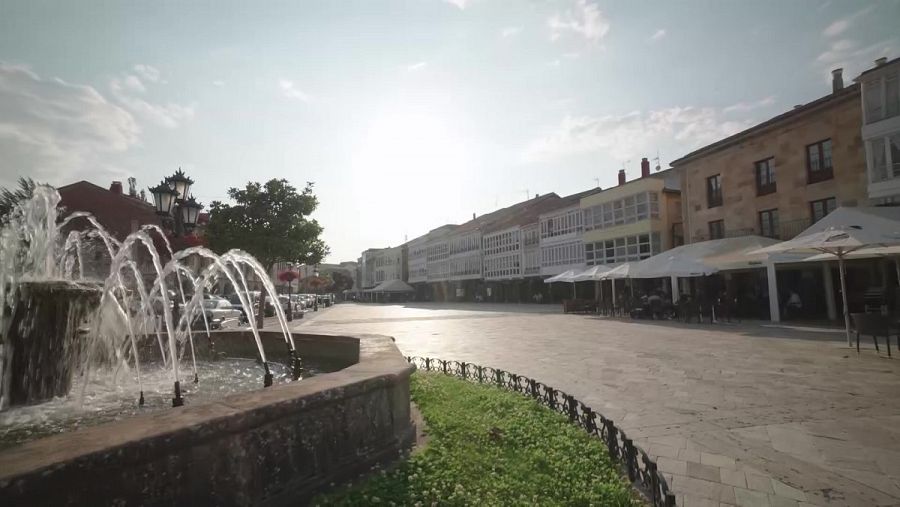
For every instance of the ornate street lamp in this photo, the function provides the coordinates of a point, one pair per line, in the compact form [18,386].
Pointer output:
[173,203]
[163,198]
[190,210]
[180,183]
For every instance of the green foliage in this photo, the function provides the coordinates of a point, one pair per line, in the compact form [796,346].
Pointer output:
[342,280]
[9,198]
[492,447]
[269,221]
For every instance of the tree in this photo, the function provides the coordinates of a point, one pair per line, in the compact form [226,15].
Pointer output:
[270,222]
[10,198]
[342,280]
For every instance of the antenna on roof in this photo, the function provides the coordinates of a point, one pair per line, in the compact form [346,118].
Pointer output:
[657,161]
[598,182]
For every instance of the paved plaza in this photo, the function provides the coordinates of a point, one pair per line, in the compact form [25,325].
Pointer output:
[735,414]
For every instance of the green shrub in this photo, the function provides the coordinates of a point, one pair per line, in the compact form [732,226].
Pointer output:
[488,446]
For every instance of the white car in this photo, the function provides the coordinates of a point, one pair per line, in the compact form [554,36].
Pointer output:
[218,308]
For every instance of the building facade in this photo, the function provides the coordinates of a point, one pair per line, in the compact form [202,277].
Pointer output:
[560,232]
[881,130]
[778,177]
[634,220]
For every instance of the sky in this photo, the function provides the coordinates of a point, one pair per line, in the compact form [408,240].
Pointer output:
[406,114]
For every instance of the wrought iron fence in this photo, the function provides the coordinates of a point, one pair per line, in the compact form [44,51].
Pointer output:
[638,466]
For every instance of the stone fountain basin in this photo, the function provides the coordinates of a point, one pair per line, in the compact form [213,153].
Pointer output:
[277,446]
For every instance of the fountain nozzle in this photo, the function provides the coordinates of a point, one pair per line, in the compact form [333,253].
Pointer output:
[296,366]
[141,400]
[267,378]
[177,401]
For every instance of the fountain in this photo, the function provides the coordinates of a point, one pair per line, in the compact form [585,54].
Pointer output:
[96,337]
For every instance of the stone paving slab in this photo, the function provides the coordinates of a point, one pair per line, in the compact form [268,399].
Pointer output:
[736,414]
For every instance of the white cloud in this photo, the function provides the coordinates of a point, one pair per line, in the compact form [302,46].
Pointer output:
[50,128]
[165,115]
[659,34]
[743,107]
[632,135]
[147,72]
[836,28]
[289,90]
[846,54]
[584,19]
[841,25]
[416,66]
[133,83]
[461,4]
[510,31]
[219,83]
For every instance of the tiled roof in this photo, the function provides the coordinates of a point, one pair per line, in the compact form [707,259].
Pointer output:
[116,212]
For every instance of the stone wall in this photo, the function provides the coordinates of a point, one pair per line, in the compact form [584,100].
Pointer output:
[274,446]
[838,119]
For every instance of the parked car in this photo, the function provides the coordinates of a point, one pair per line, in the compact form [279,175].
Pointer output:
[299,302]
[219,308]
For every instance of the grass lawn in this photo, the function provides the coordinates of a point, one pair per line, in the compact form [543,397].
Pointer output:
[488,446]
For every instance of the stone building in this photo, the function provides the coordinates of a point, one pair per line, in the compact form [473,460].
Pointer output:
[778,177]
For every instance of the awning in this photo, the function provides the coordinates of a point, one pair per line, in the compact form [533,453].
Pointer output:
[392,286]
[703,258]
[618,272]
[592,273]
[568,276]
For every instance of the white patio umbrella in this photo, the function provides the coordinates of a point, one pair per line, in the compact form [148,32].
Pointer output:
[838,242]
[567,276]
[592,273]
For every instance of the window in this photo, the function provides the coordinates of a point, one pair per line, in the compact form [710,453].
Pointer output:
[768,223]
[873,105]
[818,209]
[717,229]
[714,191]
[818,162]
[765,176]
[630,209]
[625,249]
[892,96]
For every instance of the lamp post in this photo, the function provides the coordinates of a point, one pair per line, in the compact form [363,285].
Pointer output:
[290,281]
[316,289]
[179,213]
[178,209]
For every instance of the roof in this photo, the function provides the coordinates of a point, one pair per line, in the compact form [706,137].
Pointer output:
[878,67]
[115,211]
[524,213]
[504,217]
[573,199]
[846,93]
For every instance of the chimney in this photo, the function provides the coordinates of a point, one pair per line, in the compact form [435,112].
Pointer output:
[473,216]
[645,167]
[537,195]
[881,61]
[621,176]
[116,187]
[837,80]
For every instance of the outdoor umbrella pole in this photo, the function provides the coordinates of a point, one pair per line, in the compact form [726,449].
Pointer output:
[897,268]
[844,297]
